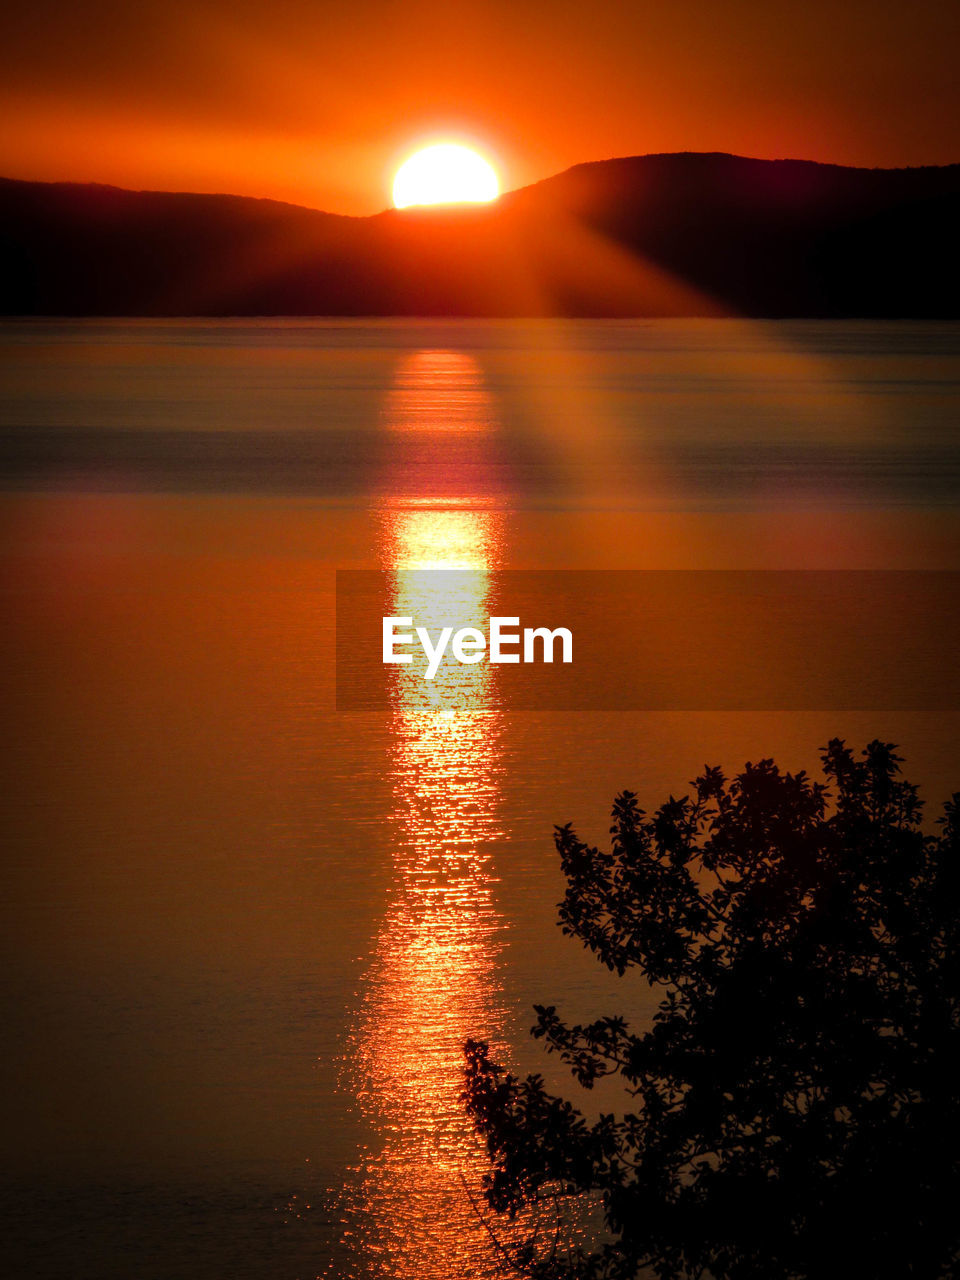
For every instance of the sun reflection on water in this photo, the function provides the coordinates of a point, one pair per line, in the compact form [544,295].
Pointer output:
[432,980]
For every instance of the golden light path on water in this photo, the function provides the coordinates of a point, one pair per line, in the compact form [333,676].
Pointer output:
[432,978]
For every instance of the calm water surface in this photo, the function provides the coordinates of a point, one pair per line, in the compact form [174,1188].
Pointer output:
[246,936]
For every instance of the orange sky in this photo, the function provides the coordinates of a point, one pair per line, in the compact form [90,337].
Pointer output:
[318,103]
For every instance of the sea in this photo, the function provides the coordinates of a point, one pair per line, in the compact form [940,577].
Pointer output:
[245,933]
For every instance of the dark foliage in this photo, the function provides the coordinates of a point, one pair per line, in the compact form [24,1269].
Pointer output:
[793,1109]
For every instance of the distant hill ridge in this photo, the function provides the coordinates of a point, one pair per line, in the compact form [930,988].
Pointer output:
[658,235]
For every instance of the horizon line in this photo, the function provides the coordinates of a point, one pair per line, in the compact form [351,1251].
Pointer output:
[390,209]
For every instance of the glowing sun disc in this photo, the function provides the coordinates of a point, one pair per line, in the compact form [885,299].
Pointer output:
[445,173]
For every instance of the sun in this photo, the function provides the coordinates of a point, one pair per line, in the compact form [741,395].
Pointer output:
[445,173]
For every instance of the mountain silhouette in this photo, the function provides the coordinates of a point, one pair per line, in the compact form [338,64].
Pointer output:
[658,235]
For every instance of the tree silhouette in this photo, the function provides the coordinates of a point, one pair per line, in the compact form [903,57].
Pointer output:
[792,1111]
